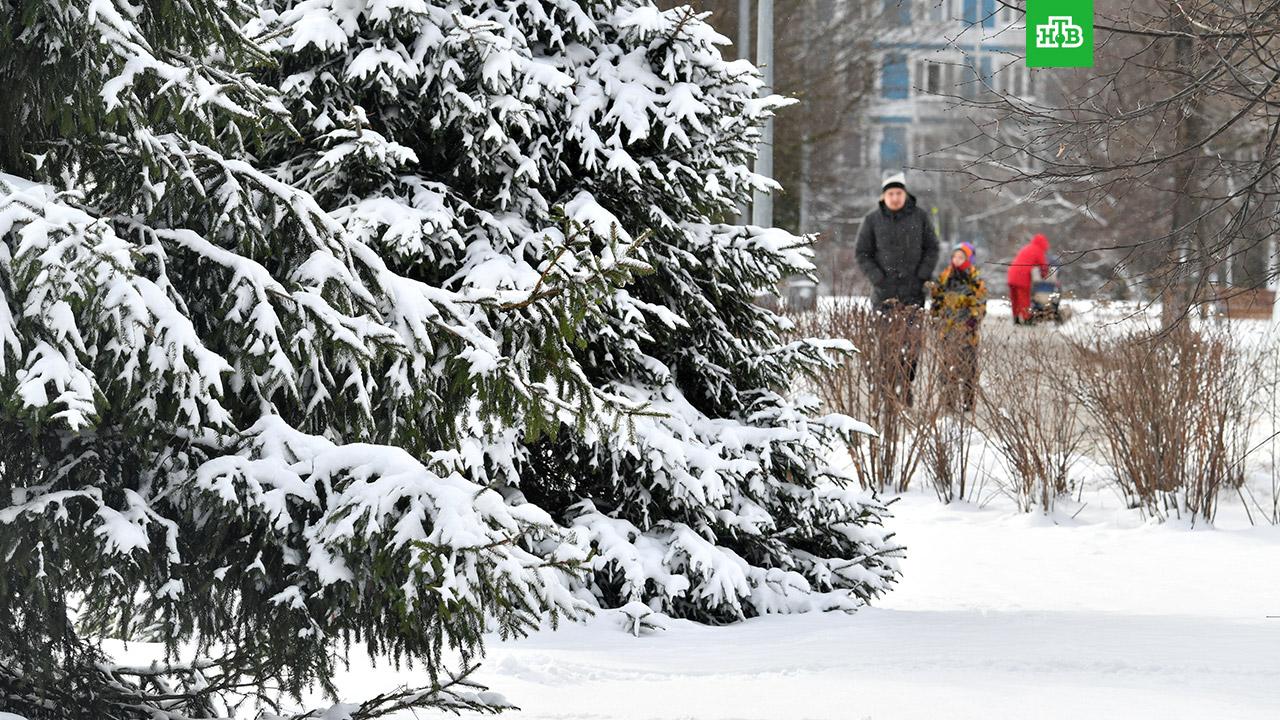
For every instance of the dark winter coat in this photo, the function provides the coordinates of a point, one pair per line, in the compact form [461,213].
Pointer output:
[897,251]
[1032,255]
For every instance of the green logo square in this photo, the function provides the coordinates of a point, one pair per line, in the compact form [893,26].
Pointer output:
[1059,33]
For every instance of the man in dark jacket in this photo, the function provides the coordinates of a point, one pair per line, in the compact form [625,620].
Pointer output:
[897,250]
[897,247]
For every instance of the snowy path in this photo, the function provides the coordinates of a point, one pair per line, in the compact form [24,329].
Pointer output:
[998,616]
[904,664]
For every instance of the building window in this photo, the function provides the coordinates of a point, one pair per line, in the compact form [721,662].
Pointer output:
[971,11]
[938,10]
[988,13]
[933,78]
[929,78]
[898,12]
[895,78]
[893,147]
[984,68]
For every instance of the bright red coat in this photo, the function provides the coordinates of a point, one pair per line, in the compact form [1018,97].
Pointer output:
[1033,254]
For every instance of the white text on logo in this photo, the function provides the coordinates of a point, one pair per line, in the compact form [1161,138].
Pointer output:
[1059,33]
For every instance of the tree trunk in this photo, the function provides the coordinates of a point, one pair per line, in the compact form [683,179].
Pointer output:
[1179,294]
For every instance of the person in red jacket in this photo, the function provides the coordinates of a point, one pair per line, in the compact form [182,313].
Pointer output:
[1033,254]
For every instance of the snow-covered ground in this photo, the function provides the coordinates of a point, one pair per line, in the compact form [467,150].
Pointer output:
[999,615]
[1092,613]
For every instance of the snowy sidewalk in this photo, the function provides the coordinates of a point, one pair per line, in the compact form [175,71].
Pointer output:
[998,616]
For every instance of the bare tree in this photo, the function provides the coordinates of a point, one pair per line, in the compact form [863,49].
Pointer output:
[1171,138]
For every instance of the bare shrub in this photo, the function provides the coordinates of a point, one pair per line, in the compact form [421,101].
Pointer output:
[1029,414]
[876,386]
[952,372]
[947,454]
[1269,363]
[1175,409]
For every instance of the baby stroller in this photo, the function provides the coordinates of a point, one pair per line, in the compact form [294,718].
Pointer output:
[1046,303]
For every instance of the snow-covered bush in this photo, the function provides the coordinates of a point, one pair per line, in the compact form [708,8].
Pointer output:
[320,326]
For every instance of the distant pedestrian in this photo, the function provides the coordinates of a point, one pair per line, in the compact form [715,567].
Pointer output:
[897,248]
[959,302]
[1034,254]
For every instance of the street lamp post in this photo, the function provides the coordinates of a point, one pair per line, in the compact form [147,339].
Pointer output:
[744,53]
[762,207]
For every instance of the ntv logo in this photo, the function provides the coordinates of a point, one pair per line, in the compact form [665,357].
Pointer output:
[1060,32]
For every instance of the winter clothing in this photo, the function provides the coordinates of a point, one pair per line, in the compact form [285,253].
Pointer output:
[1020,299]
[967,250]
[896,180]
[897,250]
[1033,254]
[959,302]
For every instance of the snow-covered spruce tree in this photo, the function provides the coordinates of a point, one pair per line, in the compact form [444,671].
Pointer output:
[227,424]
[445,134]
